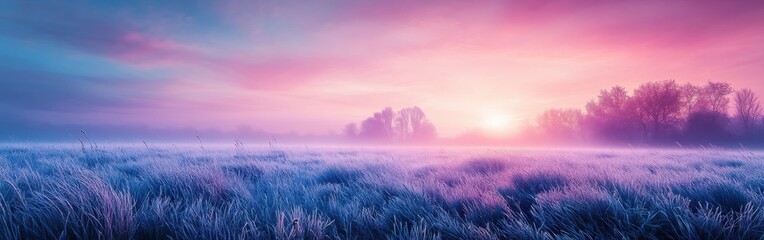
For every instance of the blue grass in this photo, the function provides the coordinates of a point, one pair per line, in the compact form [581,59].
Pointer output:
[170,193]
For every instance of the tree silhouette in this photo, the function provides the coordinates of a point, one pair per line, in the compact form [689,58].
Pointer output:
[412,125]
[402,125]
[386,117]
[664,111]
[561,123]
[747,111]
[607,116]
[717,94]
[408,124]
[693,99]
[707,126]
[656,106]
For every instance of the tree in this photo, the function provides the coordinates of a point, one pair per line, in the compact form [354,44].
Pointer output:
[372,129]
[386,117]
[609,103]
[717,94]
[747,111]
[707,127]
[560,123]
[350,130]
[412,124]
[693,99]
[607,117]
[402,125]
[379,126]
[656,106]
[408,124]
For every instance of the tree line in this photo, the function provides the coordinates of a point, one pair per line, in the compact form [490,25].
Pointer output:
[661,112]
[406,125]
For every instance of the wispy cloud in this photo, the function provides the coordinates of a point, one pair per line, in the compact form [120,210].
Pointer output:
[280,64]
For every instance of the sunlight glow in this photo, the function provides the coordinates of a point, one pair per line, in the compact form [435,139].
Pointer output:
[496,123]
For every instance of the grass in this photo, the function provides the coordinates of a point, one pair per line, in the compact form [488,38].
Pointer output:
[123,192]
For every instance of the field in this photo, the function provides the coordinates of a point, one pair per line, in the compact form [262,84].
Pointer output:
[154,192]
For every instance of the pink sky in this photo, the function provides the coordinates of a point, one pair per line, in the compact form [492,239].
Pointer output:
[311,67]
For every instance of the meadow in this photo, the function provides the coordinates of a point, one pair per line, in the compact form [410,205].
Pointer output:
[227,192]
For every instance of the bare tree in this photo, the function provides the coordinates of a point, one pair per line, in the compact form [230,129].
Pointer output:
[406,124]
[417,118]
[717,94]
[563,123]
[747,110]
[412,124]
[402,125]
[386,117]
[656,106]
[610,103]
[693,99]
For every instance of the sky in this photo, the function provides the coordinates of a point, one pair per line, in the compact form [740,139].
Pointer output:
[310,67]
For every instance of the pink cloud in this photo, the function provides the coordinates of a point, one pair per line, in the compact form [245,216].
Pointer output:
[293,60]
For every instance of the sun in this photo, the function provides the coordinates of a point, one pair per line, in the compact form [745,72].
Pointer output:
[496,123]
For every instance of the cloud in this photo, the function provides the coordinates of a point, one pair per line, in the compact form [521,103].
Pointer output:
[83,28]
[42,98]
[281,64]
[42,91]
